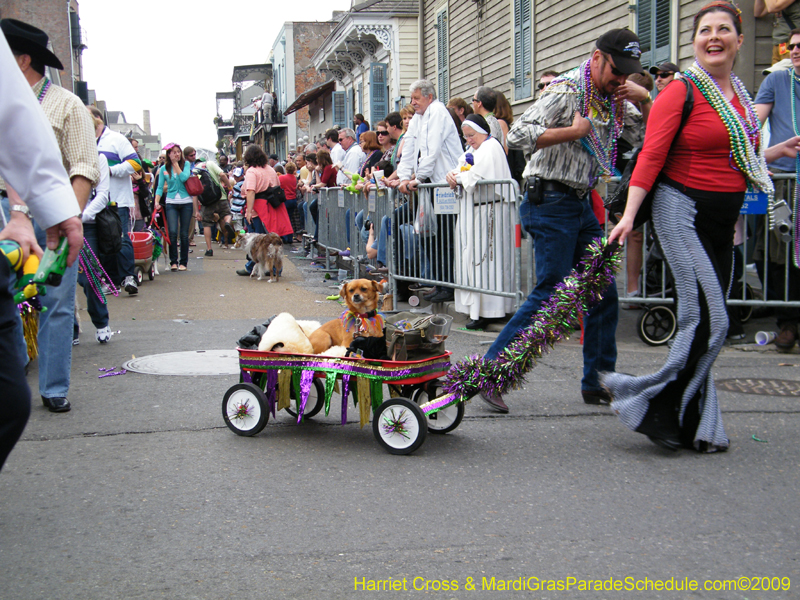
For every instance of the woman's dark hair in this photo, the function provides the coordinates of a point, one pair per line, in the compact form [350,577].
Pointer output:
[279,169]
[324,158]
[385,166]
[311,157]
[719,6]
[254,156]
[168,161]
[503,110]
[457,121]
[370,141]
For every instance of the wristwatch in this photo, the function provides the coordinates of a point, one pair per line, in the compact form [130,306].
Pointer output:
[23,209]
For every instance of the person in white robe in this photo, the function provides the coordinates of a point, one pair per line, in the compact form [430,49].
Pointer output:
[486,222]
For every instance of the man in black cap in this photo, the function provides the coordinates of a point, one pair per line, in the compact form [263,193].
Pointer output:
[663,73]
[571,133]
[74,131]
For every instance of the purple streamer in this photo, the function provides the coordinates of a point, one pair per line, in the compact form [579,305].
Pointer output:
[122,372]
[306,379]
[354,369]
[345,389]
[272,384]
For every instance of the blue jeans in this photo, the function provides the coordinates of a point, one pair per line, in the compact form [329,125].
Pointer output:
[179,213]
[562,226]
[55,331]
[383,238]
[98,310]
[125,262]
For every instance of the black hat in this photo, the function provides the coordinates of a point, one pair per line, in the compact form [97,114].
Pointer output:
[623,46]
[30,40]
[274,157]
[665,67]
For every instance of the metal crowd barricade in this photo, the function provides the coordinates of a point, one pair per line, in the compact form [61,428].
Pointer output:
[763,288]
[470,242]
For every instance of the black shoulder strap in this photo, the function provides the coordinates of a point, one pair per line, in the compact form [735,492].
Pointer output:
[688,104]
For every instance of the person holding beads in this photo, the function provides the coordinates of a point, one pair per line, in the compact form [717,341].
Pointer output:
[700,173]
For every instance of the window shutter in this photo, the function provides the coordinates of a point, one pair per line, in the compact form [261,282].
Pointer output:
[379,93]
[653,25]
[360,97]
[339,109]
[644,27]
[442,57]
[522,49]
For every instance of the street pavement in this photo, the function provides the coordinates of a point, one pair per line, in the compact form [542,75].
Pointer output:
[141,491]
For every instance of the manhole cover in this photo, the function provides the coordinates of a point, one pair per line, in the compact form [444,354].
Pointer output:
[761,387]
[199,362]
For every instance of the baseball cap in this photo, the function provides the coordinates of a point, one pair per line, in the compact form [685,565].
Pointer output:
[623,46]
[665,66]
[238,171]
[274,157]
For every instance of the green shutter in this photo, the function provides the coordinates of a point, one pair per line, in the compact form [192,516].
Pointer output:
[522,49]
[442,57]
[379,92]
[654,24]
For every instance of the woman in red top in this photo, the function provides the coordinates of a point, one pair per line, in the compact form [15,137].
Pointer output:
[258,177]
[289,184]
[326,170]
[700,173]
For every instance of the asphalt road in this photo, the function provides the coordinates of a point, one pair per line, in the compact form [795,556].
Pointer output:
[141,491]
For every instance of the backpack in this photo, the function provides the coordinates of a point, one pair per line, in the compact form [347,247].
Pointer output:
[211,193]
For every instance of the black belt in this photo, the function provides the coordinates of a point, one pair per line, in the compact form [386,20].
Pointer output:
[549,185]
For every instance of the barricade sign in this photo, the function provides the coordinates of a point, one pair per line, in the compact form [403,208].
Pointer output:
[755,203]
[341,198]
[371,202]
[444,201]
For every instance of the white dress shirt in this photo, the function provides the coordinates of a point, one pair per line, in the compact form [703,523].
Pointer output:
[354,157]
[431,147]
[30,159]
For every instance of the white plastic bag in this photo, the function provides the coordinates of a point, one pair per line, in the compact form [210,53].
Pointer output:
[425,222]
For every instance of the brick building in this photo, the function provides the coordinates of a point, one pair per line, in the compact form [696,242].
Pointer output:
[62,25]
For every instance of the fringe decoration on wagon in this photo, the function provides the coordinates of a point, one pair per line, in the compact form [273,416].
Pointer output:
[556,318]
[30,328]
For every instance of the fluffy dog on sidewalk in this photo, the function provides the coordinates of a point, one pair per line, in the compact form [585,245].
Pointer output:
[266,249]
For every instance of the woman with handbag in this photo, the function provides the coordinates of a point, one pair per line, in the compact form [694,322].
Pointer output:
[262,188]
[700,172]
[180,205]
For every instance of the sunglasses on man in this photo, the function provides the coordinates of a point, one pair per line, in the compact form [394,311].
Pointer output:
[664,74]
[791,47]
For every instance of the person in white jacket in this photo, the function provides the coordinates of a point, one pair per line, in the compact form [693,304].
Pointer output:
[122,163]
[431,148]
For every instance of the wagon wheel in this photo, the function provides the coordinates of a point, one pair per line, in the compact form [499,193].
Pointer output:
[314,404]
[151,272]
[399,426]
[244,409]
[138,273]
[444,420]
[657,325]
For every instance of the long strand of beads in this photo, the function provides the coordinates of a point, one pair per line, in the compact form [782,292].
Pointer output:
[792,96]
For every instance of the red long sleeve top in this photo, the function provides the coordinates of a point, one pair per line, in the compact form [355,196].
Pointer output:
[700,157]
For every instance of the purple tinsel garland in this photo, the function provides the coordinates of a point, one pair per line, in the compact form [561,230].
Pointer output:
[556,318]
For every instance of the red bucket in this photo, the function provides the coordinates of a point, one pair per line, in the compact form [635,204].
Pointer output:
[142,245]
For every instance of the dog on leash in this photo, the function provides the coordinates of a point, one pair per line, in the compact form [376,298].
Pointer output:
[266,250]
[360,318]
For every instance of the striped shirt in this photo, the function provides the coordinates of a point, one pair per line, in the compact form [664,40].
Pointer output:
[74,131]
[570,163]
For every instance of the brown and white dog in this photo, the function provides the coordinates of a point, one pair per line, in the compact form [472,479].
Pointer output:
[361,297]
[266,249]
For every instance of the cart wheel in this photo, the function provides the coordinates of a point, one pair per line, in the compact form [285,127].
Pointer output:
[657,325]
[151,273]
[314,404]
[244,409]
[445,420]
[139,274]
[398,425]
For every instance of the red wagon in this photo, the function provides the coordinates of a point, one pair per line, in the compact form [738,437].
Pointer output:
[303,385]
[143,255]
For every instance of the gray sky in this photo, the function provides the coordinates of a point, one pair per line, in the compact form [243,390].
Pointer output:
[172,56]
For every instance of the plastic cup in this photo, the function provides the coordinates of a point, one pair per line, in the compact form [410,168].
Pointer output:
[342,274]
[438,328]
[413,300]
[765,337]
